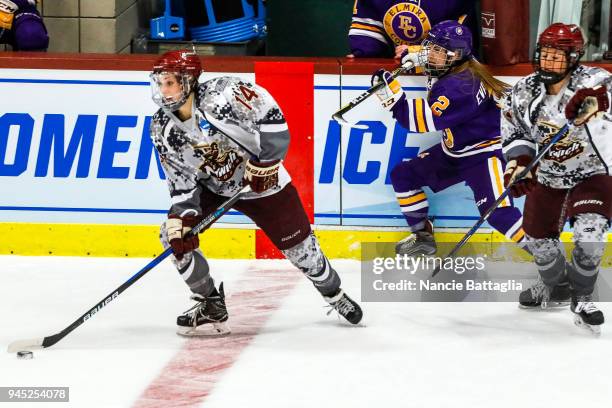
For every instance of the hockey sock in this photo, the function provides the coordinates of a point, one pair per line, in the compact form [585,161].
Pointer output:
[308,257]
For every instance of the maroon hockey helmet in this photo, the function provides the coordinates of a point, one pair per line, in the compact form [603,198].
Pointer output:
[185,66]
[565,37]
[179,61]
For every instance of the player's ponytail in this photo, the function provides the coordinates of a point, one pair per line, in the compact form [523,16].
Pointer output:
[494,86]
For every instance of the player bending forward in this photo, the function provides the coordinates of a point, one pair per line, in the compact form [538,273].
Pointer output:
[210,137]
[573,179]
[462,103]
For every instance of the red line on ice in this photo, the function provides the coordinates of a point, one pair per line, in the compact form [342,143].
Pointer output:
[193,372]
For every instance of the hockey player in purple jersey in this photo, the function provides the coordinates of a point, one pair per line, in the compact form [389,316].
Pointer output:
[573,180]
[21,26]
[212,138]
[462,104]
[384,28]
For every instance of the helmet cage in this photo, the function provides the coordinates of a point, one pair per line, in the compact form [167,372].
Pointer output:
[451,59]
[171,102]
[572,57]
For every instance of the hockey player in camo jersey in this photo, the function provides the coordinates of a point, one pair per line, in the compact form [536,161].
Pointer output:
[573,179]
[210,137]
[462,103]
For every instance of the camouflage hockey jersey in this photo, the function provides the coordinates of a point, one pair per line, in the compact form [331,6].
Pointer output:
[232,121]
[380,25]
[531,117]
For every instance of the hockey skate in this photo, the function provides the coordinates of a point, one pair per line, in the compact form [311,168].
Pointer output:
[540,295]
[208,317]
[586,314]
[418,243]
[345,306]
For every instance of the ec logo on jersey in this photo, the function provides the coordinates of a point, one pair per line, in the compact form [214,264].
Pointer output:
[406,23]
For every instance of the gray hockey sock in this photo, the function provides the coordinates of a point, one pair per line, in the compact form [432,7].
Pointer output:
[549,260]
[193,268]
[308,257]
[589,235]
[196,273]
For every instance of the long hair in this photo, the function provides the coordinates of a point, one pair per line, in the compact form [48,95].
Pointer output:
[496,88]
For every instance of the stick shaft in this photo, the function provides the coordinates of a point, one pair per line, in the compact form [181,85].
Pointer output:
[205,223]
[560,134]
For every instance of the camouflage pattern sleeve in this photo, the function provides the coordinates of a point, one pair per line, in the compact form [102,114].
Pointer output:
[181,179]
[249,115]
[517,139]
[273,134]
[367,37]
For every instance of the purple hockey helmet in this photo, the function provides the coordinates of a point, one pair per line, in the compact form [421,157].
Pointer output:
[450,38]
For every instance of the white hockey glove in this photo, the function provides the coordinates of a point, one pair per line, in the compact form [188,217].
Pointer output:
[587,103]
[389,94]
[261,175]
[410,56]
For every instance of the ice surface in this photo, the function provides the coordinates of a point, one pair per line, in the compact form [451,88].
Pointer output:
[285,352]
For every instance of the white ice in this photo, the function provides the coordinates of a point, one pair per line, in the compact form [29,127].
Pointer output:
[405,355]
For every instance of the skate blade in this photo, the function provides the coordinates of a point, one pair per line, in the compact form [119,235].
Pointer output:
[549,305]
[205,330]
[416,252]
[594,329]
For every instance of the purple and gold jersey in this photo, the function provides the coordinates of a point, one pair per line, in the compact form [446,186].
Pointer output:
[460,106]
[378,26]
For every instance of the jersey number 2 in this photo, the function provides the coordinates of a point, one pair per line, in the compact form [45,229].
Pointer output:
[249,94]
[440,105]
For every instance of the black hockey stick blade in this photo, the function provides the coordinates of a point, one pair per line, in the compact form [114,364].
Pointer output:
[44,342]
[558,136]
[338,116]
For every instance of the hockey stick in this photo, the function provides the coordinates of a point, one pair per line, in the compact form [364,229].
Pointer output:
[44,342]
[339,115]
[560,134]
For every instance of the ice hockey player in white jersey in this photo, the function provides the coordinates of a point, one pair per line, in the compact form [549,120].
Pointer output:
[210,137]
[572,181]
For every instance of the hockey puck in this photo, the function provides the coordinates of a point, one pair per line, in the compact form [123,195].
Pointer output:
[25,355]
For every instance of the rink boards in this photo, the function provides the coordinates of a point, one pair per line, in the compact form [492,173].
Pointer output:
[79,175]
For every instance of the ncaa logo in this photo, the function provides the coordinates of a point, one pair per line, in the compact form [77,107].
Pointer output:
[459,30]
[204,125]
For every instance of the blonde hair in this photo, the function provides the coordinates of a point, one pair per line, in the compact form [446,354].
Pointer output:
[496,88]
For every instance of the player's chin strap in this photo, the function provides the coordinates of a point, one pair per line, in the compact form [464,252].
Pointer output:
[558,136]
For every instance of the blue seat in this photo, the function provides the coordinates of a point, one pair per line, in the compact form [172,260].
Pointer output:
[230,21]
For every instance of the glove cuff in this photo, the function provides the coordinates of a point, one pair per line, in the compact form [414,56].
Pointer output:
[522,160]
[262,169]
[186,221]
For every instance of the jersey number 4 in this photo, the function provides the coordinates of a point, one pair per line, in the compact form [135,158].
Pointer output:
[248,94]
